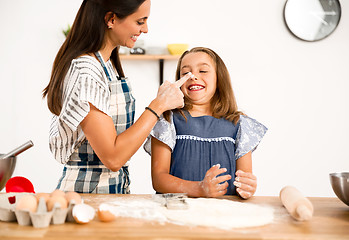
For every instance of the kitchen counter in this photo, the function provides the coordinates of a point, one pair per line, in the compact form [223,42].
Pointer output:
[330,221]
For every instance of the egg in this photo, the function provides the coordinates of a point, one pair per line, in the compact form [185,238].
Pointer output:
[105,213]
[56,200]
[27,203]
[46,196]
[83,213]
[57,192]
[105,216]
[73,197]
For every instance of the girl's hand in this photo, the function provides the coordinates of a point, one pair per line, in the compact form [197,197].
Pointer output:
[213,186]
[169,94]
[246,184]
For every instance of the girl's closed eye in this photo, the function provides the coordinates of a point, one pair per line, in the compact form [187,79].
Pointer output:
[140,22]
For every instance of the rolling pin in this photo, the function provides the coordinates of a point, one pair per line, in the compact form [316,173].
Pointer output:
[296,204]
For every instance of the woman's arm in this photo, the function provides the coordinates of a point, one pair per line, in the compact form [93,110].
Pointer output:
[115,150]
[164,182]
[245,181]
[112,149]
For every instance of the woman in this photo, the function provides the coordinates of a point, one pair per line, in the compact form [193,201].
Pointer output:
[92,130]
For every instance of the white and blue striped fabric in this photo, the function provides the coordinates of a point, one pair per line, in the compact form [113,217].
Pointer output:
[86,82]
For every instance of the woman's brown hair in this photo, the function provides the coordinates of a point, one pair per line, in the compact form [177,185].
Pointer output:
[223,102]
[86,36]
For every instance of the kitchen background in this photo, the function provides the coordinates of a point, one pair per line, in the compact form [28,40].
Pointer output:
[298,89]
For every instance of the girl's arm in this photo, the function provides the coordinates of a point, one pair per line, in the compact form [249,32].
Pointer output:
[115,150]
[164,182]
[245,181]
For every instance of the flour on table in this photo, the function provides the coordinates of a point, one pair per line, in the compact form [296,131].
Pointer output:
[221,213]
[207,212]
[136,208]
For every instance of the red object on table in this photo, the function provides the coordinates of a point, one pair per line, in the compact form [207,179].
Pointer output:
[19,184]
[12,200]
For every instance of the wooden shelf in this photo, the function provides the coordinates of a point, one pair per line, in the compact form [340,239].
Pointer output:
[149,57]
[160,58]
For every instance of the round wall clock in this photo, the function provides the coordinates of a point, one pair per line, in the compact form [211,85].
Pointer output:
[312,20]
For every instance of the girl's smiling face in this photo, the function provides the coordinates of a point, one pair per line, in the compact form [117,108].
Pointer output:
[199,91]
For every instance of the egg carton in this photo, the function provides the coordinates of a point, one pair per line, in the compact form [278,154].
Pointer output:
[39,219]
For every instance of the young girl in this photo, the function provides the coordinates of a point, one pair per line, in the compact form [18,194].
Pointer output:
[204,149]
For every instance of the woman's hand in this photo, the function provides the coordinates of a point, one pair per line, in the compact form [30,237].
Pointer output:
[246,184]
[213,186]
[169,94]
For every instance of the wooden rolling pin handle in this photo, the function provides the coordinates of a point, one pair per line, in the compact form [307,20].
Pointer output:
[298,206]
[304,214]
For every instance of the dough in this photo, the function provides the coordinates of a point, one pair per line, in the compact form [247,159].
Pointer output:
[207,212]
[221,213]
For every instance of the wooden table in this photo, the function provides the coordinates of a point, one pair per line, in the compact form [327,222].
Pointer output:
[330,221]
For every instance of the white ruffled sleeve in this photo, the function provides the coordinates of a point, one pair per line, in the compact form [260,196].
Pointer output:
[163,131]
[81,89]
[249,135]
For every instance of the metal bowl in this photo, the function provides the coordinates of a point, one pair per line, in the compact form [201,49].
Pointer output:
[7,166]
[340,185]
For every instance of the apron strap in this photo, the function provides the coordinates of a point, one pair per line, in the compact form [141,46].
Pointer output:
[99,56]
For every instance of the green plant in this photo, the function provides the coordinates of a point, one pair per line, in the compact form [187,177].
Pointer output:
[66,31]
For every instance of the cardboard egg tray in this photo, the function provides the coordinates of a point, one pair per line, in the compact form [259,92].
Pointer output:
[39,219]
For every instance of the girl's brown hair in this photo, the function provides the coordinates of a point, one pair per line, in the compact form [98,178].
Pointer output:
[85,36]
[223,102]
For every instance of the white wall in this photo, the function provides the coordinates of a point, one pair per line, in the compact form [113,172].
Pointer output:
[297,89]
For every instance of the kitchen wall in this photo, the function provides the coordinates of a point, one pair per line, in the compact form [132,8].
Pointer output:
[297,89]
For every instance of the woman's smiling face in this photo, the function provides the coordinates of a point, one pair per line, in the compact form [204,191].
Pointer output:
[199,91]
[126,31]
